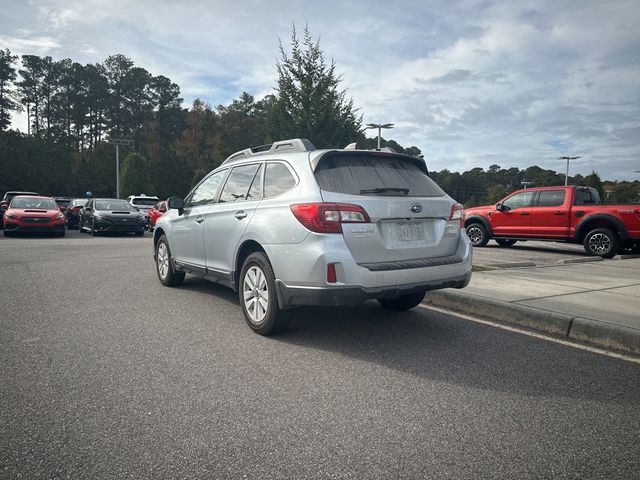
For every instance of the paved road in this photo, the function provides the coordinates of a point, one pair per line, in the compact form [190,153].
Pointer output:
[107,374]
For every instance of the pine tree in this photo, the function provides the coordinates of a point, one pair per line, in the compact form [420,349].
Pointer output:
[308,101]
[8,94]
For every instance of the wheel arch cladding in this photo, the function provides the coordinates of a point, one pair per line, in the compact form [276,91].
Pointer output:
[479,219]
[247,248]
[600,220]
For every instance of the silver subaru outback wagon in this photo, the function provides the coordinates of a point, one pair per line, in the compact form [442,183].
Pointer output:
[288,225]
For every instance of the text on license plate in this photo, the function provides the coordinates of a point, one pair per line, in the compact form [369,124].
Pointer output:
[409,232]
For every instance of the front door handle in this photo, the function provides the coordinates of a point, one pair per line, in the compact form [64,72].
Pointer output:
[524,213]
[558,213]
[199,219]
[240,214]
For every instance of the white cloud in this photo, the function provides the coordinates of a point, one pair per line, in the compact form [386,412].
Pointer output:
[470,83]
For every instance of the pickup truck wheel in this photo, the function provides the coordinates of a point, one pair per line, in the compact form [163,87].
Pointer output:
[403,302]
[505,242]
[601,242]
[258,298]
[164,266]
[477,234]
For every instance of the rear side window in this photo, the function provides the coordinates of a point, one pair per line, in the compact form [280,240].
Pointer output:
[278,179]
[587,196]
[238,184]
[371,175]
[551,198]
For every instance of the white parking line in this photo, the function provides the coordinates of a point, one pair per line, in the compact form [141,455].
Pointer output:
[541,336]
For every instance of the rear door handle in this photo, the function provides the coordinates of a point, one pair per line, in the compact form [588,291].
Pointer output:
[199,219]
[240,214]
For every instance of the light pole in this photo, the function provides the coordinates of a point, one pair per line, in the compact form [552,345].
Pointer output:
[379,126]
[526,184]
[117,142]
[566,176]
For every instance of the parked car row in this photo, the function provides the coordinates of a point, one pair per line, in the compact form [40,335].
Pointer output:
[24,212]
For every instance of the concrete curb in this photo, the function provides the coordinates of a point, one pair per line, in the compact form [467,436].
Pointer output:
[601,334]
[579,260]
[509,265]
[626,256]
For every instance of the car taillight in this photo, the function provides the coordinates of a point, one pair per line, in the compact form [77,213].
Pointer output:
[457,213]
[328,217]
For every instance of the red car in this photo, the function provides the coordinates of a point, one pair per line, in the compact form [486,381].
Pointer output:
[156,212]
[33,214]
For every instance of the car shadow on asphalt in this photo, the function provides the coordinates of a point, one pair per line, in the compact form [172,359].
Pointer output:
[448,349]
[525,247]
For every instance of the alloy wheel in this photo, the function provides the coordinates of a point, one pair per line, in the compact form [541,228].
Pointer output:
[163,260]
[475,235]
[600,243]
[256,294]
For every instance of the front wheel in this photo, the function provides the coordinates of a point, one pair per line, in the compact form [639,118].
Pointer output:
[258,298]
[601,242]
[164,266]
[403,302]
[505,242]
[477,233]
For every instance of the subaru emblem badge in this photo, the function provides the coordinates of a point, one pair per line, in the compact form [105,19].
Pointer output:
[416,208]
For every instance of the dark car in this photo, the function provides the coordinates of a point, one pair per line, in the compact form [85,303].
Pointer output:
[63,202]
[6,200]
[27,214]
[111,215]
[72,213]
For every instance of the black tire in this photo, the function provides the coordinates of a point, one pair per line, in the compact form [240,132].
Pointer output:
[256,270]
[505,242]
[60,234]
[139,234]
[403,302]
[8,234]
[601,242]
[477,233]
[167,276]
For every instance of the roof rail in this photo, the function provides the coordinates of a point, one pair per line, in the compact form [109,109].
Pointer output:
[291,145]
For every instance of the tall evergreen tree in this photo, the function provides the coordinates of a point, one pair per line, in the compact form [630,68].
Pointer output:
[8,94]
[309,103]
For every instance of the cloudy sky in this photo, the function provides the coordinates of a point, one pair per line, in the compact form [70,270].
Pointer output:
[471,83]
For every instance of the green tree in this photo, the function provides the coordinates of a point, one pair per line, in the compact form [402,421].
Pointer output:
[309,103]
[593,180]
[134,178]
[8,95]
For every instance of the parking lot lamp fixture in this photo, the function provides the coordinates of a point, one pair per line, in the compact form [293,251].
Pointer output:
[379,126]
[566,176]
[117,142]
[526,184]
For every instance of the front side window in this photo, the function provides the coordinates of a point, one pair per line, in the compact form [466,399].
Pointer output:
[240,179]
[551,198]
[206,192]
[255,192]
[518,200]
[278,179]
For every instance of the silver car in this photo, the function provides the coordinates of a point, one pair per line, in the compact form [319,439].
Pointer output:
[287,225]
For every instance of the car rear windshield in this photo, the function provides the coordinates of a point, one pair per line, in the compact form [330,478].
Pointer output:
[112,205]
[63,202]
[34,203]
[370,174]
[150,202]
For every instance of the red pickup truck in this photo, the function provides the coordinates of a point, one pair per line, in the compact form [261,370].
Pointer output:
[558,214]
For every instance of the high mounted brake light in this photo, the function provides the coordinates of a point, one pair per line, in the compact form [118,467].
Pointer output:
[328,217]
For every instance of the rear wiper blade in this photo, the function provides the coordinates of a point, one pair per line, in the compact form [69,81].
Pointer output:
[386,190]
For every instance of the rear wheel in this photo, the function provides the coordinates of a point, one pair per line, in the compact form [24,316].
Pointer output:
[403,302]
[601,242]
[164,266]
[505,242]
[477,233]
[257,292]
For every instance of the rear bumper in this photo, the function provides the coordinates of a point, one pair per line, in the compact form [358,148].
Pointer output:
[297,296]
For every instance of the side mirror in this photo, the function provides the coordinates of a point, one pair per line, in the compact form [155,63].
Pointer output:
[499,207]
[176,203]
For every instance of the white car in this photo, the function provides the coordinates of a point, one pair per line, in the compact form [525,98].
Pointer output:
[143,203]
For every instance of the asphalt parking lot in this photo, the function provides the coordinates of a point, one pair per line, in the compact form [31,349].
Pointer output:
[107,374]
[539,253]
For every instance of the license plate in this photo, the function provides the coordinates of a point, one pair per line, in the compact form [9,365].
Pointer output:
[409,232]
